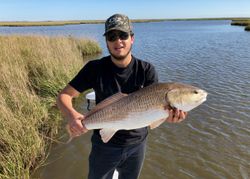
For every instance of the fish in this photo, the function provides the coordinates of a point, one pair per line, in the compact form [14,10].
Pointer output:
[142,108]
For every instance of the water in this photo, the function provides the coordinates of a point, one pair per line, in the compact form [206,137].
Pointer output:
[214,140]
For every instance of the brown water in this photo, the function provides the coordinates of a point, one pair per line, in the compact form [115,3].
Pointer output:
[214,140]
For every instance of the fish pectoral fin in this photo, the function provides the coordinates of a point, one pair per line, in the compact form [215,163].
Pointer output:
[107,134]
[157,123]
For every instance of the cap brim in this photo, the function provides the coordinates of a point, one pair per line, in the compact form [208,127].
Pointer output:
[116,28]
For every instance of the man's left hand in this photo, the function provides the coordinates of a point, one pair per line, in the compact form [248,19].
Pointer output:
[176,116]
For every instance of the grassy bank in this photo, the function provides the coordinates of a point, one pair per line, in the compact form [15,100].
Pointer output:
[48,23]
[77,22]
[60,23]
[242,22]
[33,70]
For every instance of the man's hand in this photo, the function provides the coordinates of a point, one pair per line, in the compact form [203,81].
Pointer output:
[176,116]
[75,125]
[64,103]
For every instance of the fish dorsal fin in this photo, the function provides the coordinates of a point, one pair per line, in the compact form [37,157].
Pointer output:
[106,102]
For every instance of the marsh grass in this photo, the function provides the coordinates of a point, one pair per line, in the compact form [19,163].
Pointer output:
[242,22]
[49,23]
[247,28]
[71,22]
[33,70]
[77,22]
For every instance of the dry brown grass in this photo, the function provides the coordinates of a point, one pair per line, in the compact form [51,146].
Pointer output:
[33,70]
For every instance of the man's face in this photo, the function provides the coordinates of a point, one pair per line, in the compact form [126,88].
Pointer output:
[119,44]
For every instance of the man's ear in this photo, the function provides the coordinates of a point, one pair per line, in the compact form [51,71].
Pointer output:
[132,39]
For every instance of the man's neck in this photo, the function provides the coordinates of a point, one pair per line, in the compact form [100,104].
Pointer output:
[122,63]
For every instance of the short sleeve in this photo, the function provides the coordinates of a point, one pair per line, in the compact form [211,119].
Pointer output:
[151,75]
[84,79]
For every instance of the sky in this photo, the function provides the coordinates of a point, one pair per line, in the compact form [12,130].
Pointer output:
[44,10]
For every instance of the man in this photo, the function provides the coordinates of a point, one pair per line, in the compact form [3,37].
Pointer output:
[119,72]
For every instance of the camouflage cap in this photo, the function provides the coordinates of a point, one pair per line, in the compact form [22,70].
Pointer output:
[118,22]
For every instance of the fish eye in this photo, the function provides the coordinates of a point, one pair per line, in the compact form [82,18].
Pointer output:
[196,92]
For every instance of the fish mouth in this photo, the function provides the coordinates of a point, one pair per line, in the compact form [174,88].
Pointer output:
[204,96]
[201,101]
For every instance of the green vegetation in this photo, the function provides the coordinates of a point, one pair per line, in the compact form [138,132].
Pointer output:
[77,22]
[33,70]
[60,23]
[48,23]
[247,28]
[242,22]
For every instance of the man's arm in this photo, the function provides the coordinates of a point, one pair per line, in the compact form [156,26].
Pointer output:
[64,103]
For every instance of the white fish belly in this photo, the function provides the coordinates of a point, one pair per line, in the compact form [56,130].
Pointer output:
[132,121]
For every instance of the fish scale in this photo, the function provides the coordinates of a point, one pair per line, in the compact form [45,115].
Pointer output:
[144,99]
[145,107]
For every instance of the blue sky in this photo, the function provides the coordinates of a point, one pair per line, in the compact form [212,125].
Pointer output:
[38,10]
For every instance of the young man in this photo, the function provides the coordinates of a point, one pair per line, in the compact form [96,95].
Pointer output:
[119,72]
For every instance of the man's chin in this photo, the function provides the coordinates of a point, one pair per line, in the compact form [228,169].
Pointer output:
[119,57]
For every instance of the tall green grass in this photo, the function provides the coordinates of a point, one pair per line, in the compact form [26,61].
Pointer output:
[33,70]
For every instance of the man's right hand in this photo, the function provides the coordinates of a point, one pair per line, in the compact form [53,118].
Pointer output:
[75,125]
[64,103]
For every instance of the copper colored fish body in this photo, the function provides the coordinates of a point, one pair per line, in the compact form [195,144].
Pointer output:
[145,107]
